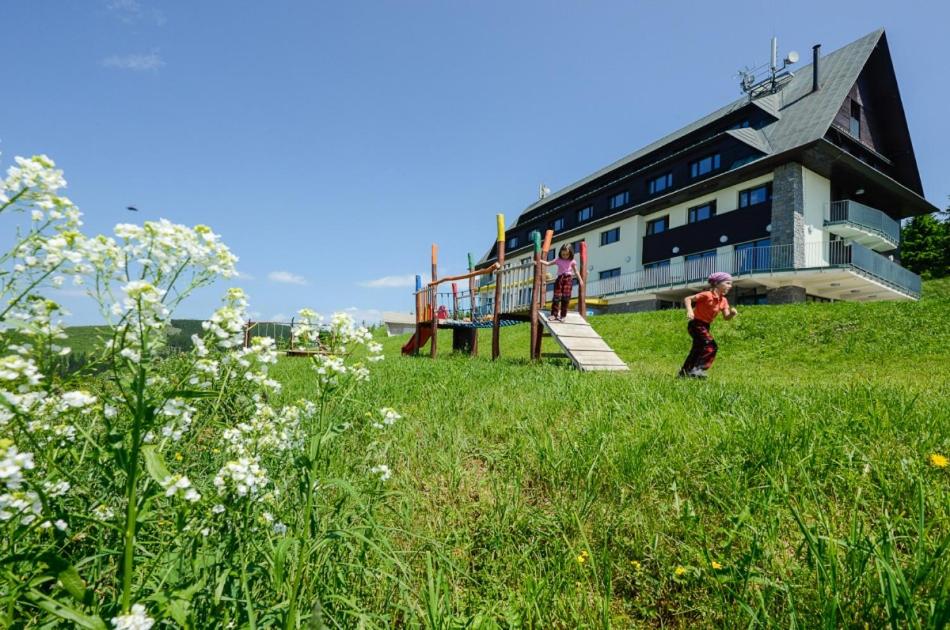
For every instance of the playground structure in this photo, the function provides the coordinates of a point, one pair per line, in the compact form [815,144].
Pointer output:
[516,295]
[283,334]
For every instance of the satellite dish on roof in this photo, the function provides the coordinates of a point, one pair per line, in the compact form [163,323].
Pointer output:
[791,57]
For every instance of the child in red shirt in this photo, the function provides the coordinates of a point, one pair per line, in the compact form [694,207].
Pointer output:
[701,310]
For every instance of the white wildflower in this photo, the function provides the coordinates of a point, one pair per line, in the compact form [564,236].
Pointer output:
[137,619]
[382,470]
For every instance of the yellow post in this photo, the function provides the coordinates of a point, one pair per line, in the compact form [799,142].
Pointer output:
[496,319]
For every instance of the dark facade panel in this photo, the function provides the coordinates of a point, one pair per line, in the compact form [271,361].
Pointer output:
[739,226]
[731,152]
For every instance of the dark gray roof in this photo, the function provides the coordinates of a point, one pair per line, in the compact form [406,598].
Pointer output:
[802,116]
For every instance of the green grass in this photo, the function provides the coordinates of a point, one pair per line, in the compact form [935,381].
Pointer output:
[800,467]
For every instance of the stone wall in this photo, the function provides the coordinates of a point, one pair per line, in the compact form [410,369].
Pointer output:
[786,295]
[640,306]
[788,219]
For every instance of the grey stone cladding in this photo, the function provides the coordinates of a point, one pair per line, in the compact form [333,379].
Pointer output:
[788,220]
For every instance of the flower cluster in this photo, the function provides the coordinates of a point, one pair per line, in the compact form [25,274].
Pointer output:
[136,619]
[242,477]
[389,418]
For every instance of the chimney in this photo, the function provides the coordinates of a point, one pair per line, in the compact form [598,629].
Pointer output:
[814,67]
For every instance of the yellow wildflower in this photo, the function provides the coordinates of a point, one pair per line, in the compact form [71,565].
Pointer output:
[716,566]
[582,558]
[938,461]
[178,457]
[635,564]
[679,571]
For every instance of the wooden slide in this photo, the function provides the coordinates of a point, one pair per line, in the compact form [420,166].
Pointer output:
[582,345]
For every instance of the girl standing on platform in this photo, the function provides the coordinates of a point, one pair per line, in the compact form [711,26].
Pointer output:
[701,310]
[566,272]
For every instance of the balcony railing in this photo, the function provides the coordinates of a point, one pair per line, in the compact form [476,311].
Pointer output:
[865,218]
[668,275]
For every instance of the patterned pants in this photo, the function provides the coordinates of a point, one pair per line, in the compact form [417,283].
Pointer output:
[562,295]
[703,352]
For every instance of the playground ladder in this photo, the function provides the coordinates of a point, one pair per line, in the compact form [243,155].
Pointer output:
[582,344]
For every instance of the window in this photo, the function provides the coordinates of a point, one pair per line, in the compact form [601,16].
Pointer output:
[524,261]
[552,253]
[742,124]
[610,236]
[699,266]
[754,256]
[660,183]
[707,164]
[658,225]
[585,214]
[855,122]
[610,273]
[558,224]
[619,200]
[513,242]
[752,196]
[576,246]
[702,212]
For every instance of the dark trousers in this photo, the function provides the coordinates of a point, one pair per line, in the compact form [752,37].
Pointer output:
[562,295]
[703,352]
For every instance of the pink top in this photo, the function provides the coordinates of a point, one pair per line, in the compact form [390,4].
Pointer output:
[565,266]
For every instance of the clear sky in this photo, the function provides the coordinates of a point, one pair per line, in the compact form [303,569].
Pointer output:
[331,142]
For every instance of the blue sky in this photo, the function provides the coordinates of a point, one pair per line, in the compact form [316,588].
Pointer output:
[331,143]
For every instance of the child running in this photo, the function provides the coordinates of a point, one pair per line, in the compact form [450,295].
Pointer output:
[566,272]
[701,310]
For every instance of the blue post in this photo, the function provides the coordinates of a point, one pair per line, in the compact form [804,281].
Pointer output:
[418,283]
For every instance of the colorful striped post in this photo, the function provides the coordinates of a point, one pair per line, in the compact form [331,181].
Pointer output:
[496,318]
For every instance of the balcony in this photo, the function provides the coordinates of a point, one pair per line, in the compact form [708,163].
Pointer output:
[863,225]
[837,270]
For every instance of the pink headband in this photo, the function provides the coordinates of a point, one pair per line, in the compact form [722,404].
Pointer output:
[719,276]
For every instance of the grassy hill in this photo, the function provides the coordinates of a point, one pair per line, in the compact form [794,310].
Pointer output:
[791,489]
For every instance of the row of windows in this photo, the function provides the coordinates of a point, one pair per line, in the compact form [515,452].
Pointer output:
[695,214]
[655,185]
[707,210]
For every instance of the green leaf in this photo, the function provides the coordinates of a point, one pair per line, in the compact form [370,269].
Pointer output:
[74,585]
[178,610]
[154,464]
[67,575]
[68,613]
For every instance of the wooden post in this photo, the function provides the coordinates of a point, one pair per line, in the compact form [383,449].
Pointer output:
[472,303]
[434,305]
[455,301]
[541,290]
[582,289]
[496,318]
[534,296]
[418,312]
[247,333]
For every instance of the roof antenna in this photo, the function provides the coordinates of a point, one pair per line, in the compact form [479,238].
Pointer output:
[758,82]
[543,191]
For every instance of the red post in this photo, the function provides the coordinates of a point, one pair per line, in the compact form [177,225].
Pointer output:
[435,299]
